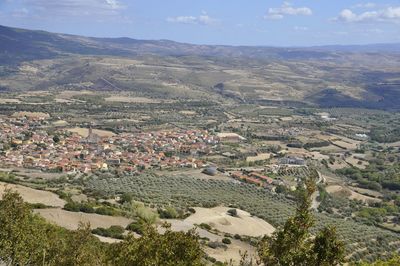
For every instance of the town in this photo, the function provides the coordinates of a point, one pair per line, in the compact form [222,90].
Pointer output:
[25,143]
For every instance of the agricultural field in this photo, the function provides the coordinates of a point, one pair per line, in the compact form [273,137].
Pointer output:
[33,196]
[346,192]
[84,132]
[71,220]
[184,191]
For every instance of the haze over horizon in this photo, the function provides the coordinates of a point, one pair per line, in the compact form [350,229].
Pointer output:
[276,23]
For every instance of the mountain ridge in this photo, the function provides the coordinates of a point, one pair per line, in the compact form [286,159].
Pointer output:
[18,45]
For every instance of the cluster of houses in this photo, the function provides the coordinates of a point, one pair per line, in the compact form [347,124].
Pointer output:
[25,143]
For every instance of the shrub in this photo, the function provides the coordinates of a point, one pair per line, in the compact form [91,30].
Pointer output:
[126,197]
[78,207]
[205,226]
[168,213]
[137,227]
[106,211]
[232,212]
[113,231]
[226,241]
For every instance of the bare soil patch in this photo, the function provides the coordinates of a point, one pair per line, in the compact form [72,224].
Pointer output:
[31,114]
[243,224]
[71,220]
[6,101]
[126,99]
[84,132]
[346,192]
[259,157]
[33,195]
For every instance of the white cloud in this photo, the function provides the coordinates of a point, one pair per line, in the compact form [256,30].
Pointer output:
[390,14]
[203,19]
[287,10]
[114,4]
[75,7]
[365,5]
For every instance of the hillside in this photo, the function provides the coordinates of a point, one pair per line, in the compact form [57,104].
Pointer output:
[332,76]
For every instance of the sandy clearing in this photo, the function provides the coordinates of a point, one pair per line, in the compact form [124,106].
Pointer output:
[286,118]
[318,156]
[244,224]
[33,195]
[344,144]
[127,99]
[187,112]
[59,100]
[184,226]
[365,191]
[338,164]
[6,101]
[259,157]
[229,135]
[31,114]
[354,161]
[107,239]
[84,132]
[70,220]
[60,123]
[232,252]
[393,144]
[340,190]
[32,173]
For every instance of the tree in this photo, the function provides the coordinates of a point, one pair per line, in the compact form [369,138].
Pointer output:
[153,248]
[328,249]
[140,212]
[126,197]
[293,244]
[168,213]
[22,241]
[82,248]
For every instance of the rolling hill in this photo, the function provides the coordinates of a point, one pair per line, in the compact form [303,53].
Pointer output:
[328,76]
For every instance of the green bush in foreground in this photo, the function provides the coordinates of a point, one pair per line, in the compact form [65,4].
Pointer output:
[26,239]
[113,231]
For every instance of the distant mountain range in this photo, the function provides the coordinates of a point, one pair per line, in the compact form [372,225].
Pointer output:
[328,76]
[18,45]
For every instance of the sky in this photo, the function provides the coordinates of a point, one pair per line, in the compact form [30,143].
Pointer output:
[229,22]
